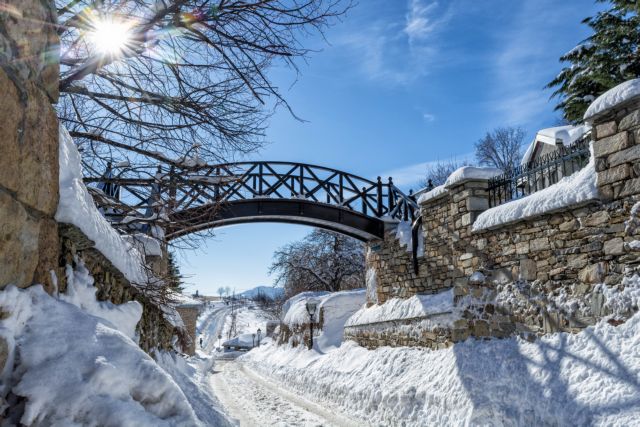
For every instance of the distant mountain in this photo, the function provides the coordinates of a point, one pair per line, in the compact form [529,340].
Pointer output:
[269,291]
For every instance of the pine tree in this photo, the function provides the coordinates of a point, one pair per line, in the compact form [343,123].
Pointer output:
[605,59]
[174,278]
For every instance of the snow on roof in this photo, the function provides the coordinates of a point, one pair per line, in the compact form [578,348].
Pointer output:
[470,172]
[622,93]
[571,190]
[401,308]
[243,340]
[568,134]
[76,207]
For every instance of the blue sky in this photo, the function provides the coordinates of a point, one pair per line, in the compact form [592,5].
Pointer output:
[400,84]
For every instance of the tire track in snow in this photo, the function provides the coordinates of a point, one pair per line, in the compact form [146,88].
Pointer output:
[255,401]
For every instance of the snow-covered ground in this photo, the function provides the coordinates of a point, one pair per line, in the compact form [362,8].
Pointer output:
[590,378]
[76,362]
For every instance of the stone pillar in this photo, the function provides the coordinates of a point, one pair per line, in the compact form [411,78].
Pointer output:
[29,74]
[189,314]
[616,147]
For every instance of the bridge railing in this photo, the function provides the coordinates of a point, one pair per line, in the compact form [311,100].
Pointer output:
[131,190]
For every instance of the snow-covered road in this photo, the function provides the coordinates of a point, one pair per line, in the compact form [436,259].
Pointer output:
[211,326]
[254,401]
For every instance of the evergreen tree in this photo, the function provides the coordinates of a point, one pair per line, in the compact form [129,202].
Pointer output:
[174,278]
[605,59]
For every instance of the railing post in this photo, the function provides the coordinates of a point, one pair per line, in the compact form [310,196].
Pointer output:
[390,194]
[379,188]
[260,179]
[302,181]
[364,200]
[341,189]
[216,188]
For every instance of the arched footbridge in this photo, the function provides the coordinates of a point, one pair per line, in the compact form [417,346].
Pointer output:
[191,199]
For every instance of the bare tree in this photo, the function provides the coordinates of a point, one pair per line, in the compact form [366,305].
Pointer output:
[438,172]
[178,82]
[322,261]
[221,291]
[501,148]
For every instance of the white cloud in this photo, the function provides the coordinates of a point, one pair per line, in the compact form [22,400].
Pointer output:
[397,49]
[420,20]
[428,117]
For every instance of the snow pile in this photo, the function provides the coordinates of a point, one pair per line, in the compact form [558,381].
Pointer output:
[75,367]
[590,378]
[183,300]
[76,207]
[372,285]
[623,92]
[623,300]
[471,172]
[571,190]
[401,308]
[337,307]
[294,311]
[81,293]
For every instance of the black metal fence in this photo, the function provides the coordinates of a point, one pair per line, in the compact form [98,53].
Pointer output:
[540,173]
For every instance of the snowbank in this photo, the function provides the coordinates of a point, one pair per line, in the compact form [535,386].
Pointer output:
[590,378]
[614,96]
[401,308]
[337,307]
[75,367]
[294,311]
[571,190]
[76,207]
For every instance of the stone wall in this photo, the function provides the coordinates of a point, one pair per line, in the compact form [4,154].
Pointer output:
[29,142]
[189,315]
[531,277]
[154,330]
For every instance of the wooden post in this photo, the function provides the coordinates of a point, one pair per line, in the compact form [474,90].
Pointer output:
[379,187]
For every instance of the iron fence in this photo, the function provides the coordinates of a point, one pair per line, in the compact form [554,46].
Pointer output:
[539,174]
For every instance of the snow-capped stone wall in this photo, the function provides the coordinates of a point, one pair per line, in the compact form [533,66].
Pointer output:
[154,330]
[552,261]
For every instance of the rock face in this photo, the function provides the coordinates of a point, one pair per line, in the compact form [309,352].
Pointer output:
[29,143]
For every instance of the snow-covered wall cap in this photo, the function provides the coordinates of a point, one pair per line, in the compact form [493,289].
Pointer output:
[468,173]
[623,93]
[433,194]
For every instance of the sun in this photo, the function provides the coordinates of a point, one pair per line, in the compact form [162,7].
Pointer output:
[109,36]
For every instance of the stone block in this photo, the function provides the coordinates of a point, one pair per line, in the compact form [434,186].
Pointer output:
[593,273]
[611,144]
[606,129]
[466,219]
[625,156]
[630,121]
[477,204]
[596,219]
[522,248]
[570,225]
[614,246]
[615,174]
[629,188]
[29,135]
[19,237]
[540,244]
[528,269]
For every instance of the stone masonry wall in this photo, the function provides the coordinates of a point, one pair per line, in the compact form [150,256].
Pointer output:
[189,315]
[531,277]
[155,331]
[29,142]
